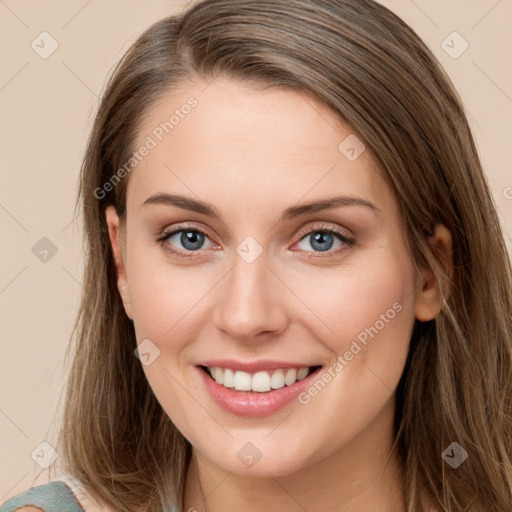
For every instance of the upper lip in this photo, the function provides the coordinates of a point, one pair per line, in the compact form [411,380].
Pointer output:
[253,366]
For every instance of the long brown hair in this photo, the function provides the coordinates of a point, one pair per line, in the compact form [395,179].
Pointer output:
[375,73]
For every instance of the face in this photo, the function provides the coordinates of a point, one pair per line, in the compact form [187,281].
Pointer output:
[239,274]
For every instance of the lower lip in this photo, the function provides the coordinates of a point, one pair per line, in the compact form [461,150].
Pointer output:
[252,403]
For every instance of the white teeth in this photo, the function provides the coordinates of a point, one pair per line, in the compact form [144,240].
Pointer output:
[217,375]
[260,382]
[242,381]
[277,380]
[290,376]
[228,379]
[302,373]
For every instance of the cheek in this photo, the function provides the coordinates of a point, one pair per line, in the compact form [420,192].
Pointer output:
[369,310]
[371,295]
[367,314]
[163,296]
[165,302]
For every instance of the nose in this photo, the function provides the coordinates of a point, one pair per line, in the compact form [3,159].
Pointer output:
[251,302]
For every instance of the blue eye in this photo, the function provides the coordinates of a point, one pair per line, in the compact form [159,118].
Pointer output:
[322,240]
[192,241]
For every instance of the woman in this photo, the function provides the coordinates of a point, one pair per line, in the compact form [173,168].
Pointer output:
[297,294]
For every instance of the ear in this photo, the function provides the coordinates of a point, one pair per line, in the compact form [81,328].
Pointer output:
[118,253]
[430,298]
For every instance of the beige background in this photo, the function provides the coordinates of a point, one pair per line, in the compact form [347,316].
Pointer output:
[47,107]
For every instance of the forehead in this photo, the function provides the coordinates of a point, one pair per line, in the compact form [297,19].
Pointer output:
[234,143]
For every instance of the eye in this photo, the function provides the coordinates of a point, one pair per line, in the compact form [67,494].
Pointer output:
[190,239]
[322,239]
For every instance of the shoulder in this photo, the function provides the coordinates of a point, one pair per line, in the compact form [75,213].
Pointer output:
[58,496]
[28,508]
[51,497]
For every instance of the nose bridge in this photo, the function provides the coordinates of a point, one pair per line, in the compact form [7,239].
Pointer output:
[249,303]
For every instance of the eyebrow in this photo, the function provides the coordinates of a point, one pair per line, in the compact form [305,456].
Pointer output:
[204,208]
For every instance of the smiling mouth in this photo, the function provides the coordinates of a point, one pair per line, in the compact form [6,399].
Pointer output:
[258,382]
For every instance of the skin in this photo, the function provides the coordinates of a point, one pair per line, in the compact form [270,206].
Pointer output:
[252,154]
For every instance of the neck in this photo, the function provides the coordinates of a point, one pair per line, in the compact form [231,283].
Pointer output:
[363,475]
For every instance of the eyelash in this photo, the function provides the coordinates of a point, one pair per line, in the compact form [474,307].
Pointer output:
[342,236]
